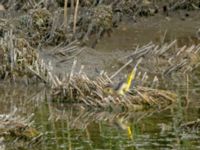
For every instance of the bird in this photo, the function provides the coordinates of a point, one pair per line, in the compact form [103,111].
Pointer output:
[123,124]
[122,87]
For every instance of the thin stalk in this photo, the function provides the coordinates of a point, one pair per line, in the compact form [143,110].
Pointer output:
[72,6]
[46,3]
[75,16]
[65,16]
[120,69]
[187,92]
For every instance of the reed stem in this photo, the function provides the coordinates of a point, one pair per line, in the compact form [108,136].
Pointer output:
[65,15]
[75,16]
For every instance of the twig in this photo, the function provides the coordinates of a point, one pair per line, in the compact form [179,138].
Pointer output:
[65,16]
[72,6]
[77,53]
[120,69]
[72,70]
[164,37]
[187,93]
[75,16]
[81,70]
[165,48]
[37,74]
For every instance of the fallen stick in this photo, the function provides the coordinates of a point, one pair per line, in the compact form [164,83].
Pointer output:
[37,74]
[120,69]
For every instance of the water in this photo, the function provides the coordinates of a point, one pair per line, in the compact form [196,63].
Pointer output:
[75,128]
[150,130]
[67,127]
[157,29]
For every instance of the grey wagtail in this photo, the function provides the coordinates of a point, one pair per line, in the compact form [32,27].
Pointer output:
[122,87]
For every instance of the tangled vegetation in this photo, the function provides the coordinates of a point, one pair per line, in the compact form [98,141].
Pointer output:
[19,129]
[40,24]
[19,59]
[65,28]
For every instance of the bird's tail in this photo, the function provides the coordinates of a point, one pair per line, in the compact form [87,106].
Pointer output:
[131,76]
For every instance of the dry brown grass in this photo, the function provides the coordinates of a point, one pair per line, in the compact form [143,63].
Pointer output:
[80,89]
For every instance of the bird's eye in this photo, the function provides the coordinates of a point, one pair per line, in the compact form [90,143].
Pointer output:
[108,90]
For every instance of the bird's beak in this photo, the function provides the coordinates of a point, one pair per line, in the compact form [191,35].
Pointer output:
[130,135]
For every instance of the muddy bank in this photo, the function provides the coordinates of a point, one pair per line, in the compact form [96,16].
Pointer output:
[50,23]
[52,48]
[158,29]
[37,46]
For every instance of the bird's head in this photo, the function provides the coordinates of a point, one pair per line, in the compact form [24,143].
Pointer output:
[118,89]
[109,89]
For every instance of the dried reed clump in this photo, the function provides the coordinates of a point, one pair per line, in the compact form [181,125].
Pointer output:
[15,126]
[19,59]
[18,132]
[96,21]
[125,7]
[80,118]
[16,5]
[182,4]
[41,19]
[102,17]
[167,58]
[191,125]
[134,8]
[40,26]
[86,3]
[80,89]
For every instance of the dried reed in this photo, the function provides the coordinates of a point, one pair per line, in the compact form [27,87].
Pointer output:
[65,15]
[75,16]
[80,89]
